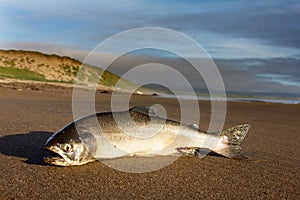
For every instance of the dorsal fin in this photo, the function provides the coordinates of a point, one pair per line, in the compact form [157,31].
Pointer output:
[148,110]
[194,126]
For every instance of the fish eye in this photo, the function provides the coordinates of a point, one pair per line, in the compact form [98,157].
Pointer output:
[68,148]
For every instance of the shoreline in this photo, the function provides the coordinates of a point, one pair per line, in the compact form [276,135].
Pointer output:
[233,99]
[38,85]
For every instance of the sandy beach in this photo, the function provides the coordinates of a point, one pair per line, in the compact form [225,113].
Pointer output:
[30,115]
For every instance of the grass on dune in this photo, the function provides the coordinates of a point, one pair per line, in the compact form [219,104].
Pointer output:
[108,79]
[25,74]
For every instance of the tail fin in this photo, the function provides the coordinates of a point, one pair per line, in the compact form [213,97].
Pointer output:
[231,140]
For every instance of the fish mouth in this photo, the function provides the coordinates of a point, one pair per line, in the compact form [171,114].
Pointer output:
[55,157]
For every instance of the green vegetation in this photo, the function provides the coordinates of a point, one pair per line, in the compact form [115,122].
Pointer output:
[41,64]
[25,74]
[109,79]
[70,69]
[95,74]
[10,63]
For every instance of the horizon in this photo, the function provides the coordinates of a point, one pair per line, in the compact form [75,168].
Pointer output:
[256,46]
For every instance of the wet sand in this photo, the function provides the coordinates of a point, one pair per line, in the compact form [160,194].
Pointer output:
[29,116]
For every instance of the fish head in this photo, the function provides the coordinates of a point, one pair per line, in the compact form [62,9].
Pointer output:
[66,148]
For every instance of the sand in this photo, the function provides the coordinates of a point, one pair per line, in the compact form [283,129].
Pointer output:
[30,115]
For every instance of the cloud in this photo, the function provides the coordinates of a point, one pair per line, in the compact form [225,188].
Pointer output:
[275,75]
[275,23]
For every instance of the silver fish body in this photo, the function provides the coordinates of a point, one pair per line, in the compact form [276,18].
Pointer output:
[136,132]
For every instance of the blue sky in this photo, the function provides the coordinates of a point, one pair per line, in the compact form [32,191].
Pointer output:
[235,33]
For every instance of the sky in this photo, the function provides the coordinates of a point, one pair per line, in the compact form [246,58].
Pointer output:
[255,44]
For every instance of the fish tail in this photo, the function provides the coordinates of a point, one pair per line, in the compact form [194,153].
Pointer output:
[230,141]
